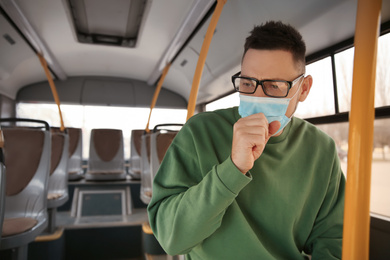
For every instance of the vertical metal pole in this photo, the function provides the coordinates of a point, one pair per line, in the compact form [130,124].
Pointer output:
[361,127]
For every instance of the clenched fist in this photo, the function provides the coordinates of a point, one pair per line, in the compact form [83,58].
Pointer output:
[250,135]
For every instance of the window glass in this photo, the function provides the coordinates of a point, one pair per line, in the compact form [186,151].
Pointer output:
[320,101]
[382,85]
[225,102]
[344,70]
[344,75]
[339,133]
[89,117]
[380,171]
[380,179]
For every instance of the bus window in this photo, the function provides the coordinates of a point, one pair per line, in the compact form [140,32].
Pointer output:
[382,86]
[380,174]
[320,101]
[225,102]
[89,117]
[344,67]
[339,133]
[380,178]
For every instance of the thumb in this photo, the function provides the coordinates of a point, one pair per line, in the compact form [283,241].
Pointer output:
[273,127]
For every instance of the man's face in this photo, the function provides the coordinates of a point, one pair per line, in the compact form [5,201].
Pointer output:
[276,65]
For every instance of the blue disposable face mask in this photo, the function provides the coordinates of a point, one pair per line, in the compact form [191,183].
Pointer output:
[274,109]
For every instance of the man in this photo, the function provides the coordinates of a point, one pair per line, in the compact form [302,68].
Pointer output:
[253,182]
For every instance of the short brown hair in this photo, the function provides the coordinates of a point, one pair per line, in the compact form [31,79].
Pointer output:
[275,35]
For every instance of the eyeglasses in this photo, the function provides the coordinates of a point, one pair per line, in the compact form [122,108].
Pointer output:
[271,88]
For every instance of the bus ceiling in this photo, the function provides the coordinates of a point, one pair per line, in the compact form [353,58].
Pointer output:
[171,32]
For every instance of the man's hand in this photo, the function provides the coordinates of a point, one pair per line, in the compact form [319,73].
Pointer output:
[250,135]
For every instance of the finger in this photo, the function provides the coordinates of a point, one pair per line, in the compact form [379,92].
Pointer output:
[250,129]
[254,120]
[273,127]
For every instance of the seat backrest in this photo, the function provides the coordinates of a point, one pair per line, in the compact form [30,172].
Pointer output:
[159,145]
[27,160]
[2,183]
[135,153]
[75,162]
[58,180]
[153,148]
[146,181]
[106,154]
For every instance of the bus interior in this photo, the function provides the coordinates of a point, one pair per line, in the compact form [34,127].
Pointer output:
[82,75]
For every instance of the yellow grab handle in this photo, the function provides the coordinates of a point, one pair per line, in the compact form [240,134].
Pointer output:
[53,88]
[202,58]
[156,93]
[361,127]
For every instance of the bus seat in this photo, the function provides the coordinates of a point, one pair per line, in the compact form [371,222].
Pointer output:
[153,148]
[27,162]
[106,155]
[2,183]
[135,154]
[160,140]
[75,162]
[58,177]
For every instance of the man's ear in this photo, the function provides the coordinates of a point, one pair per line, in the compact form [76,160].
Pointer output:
[306,86]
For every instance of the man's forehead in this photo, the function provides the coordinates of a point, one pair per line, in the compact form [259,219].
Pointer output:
[271,60]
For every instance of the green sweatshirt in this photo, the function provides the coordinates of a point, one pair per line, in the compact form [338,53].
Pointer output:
[290,202]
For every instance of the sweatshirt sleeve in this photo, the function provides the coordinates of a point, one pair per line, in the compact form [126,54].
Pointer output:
[188,204]
[325,241]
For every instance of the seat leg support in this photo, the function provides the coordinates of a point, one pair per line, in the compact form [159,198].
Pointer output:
[52,212]
[20,253]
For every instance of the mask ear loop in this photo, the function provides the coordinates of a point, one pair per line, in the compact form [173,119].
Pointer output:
[296,105]
[289,118]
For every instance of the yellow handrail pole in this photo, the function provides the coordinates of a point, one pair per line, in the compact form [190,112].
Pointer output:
[361,128]
[202,58]
[156,93]
[53,88]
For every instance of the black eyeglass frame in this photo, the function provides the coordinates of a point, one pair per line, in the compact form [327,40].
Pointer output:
[260,82]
